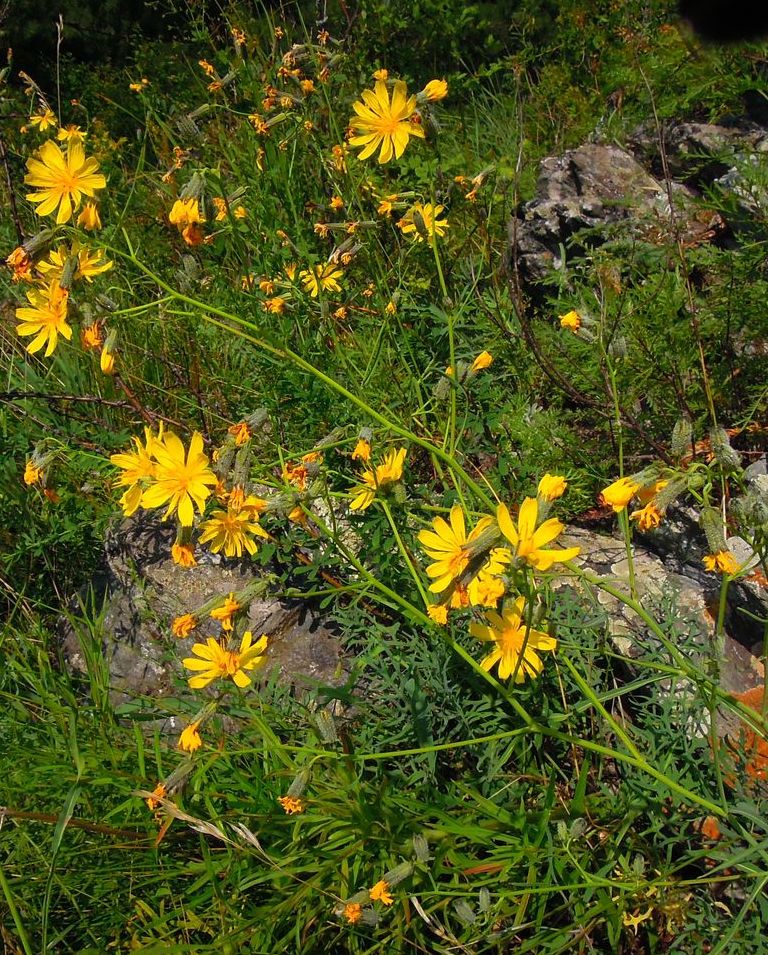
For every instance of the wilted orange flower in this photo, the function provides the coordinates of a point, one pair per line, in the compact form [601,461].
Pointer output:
[160,791]
[380,893]
[21,263]
[190,739]
[723,562]
[183,555]
[32,473]
[352,912]
[291,804]
[182,626]
[241,432]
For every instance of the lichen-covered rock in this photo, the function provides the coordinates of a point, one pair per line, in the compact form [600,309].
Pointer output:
[144,590]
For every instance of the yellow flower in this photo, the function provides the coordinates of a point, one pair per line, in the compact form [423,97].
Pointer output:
[385,123]
[182,626]
[571,320]
[46,319]
[291,804]
[388,472]
[226,612]
[353,912]
[180,480]
[89,217]
[185,212]
[647,517]
[138,467]
[528,540]
[62,178]
[449,547]
[221,208]
[89,263]
[232,530]
[438,614]
[336,203]
[435,90]
[362,450]
[107,361]
[21,263]
[421,222]
[275,305]
[380,893]
[190,740]
[241,432]
[487,588]
[240,212]
[91,337]
[159,791]
[382,75]
[386,205]
[183,555]
[32,473]
[723,562]
[44,120]
[483,360]
[620,493]
[325,277]
[213,661]
[552,486]
[71,134]
[516,647]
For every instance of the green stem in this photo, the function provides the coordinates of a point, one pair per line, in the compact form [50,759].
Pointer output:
[404,551]
[289,355]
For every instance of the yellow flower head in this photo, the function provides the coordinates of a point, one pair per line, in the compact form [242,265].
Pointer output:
[487,588]
[291,804]
[647,517]
[182,626]
[232,531]
[45,120]
[325,277]
[62,179]
[32,473]
[215,662]
[89,217]
[619,494]
[571,320]
[388,472]
[552,486]
[438,614]
[435,90]
[353,912]
[182,480]
[107,361]
[190,740]
[449,547]
[183,555]
[528,540]
[384,122]
[159,791]
[515,651]
[185,212]
[362,450]
[138,467]
[46,319]
[421,222]
[70,134]
[723,562]
[483,360]
[380,893]
[226,612]
[21,263]
[241,432]
[89,263]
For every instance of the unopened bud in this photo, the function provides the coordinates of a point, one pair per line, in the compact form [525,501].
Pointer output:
[711,522]
[682,437]
[722,451]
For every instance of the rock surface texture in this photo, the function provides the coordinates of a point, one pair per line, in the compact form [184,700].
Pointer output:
[145,590]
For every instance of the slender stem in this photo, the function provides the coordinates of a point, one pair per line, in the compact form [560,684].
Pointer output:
[404,551]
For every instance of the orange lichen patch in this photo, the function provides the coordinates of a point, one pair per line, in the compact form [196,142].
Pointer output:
[749,749]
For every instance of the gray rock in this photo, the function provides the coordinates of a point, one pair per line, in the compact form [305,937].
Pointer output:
[144,590]
[586,190]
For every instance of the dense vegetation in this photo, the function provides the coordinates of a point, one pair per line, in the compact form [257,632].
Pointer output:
[259,284]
